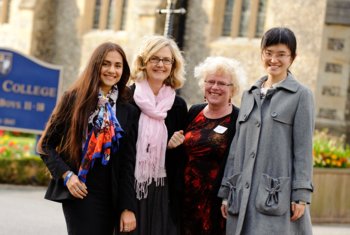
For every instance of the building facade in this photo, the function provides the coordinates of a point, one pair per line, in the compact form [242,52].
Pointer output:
[64,32]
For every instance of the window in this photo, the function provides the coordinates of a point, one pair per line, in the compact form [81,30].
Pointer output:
[4,11]
[245,15]
[97,11]
[226,29]
[123,15]
[244,18]
[259,31]
[109,14]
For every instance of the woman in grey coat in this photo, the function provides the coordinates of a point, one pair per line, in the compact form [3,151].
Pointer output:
[267,183]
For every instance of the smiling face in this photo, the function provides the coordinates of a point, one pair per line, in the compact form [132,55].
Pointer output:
[218,89]
[276,60]
[111,70]
[157,72]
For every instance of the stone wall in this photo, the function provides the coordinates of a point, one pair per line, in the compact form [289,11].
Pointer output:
[59,32]
[141,20]
[17,33]
[196,47]
[333,84]
[43,35]
[307,25]
[67,41]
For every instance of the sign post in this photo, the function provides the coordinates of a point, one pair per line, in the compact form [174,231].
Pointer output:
[170,11]
[28,92]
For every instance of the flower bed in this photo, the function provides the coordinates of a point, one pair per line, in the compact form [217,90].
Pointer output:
[14,145]
[18,162]
[330,151]
[331,178]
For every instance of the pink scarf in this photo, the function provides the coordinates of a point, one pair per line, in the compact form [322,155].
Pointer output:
[152,135]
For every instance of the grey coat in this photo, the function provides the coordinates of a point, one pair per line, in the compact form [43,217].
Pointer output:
[270,161]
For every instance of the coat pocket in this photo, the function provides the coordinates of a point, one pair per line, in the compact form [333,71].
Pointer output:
[235,194]
[282,117]
[273,196]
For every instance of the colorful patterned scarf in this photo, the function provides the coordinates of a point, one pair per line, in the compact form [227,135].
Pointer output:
[105,133]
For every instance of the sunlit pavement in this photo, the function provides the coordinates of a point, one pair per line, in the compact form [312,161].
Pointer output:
[23,210]
[332,229]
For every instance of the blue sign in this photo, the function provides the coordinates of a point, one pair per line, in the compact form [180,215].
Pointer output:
[28,92]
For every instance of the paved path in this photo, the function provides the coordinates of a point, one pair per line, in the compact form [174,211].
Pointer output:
[23,210]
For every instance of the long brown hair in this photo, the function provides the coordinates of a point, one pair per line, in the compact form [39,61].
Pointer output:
[75,107]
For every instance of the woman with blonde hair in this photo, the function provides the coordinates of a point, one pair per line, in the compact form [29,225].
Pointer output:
[158,70]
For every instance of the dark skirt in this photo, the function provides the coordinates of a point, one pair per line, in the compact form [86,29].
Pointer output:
[94,214]
[153,215]
[91,215]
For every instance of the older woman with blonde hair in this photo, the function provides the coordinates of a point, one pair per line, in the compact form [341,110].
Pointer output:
[158,70]
[210,129]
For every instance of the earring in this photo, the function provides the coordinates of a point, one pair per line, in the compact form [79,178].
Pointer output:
[205,99]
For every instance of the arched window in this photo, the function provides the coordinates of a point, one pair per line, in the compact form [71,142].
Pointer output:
[244,18]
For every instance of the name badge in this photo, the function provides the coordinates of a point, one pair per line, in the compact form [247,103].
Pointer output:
[220,129]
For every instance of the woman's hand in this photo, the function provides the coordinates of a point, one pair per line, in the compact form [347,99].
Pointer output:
[176,140]
[77,188]
[224,211]
[127,221]
[297,210]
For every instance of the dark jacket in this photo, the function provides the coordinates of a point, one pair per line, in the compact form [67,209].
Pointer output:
[122,163]
[174,158]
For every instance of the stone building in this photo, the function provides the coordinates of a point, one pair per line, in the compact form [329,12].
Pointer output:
[64,32]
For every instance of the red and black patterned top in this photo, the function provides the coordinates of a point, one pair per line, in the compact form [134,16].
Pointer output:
[206,143]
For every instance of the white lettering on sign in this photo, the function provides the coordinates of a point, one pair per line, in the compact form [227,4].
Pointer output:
[10,104]
[24,89]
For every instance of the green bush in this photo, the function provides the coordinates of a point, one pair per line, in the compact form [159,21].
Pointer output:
[29,170]
[18,162]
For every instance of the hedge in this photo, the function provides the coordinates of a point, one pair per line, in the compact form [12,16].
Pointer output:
[24,171]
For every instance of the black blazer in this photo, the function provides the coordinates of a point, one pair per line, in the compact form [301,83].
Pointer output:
[123,162]
[174,158]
